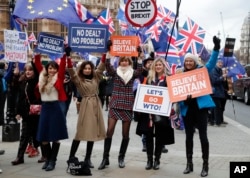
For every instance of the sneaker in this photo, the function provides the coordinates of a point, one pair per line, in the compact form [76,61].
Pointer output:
[33,153]
[28,149]
[210,123]
[219,125]
[225,123]
[1,171]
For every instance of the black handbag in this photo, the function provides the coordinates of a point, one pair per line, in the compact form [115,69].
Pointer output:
[76,167]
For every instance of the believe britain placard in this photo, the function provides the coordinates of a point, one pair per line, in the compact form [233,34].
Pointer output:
[195,83]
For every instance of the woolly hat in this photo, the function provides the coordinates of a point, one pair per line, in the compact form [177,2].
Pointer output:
[192,56]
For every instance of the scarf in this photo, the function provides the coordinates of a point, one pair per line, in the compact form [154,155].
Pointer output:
[126,73]
[48,82]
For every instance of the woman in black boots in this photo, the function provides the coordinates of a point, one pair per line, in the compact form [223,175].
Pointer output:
[161,131]
[90,125]
[52,124]
[195,111]
[28,94]
[121,105]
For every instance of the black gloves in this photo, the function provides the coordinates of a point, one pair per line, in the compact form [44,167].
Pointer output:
[67,50]
[109,44]
[216,43]
[152,54]
[139,50]
[188,100]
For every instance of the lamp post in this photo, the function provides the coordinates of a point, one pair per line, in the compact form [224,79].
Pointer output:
[11,128]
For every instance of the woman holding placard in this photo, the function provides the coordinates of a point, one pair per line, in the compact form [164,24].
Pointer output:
[195,111]
[121,104]
[155,126]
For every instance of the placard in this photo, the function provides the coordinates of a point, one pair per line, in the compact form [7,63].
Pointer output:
[124,45]
[88,37]
[229,47]
[16,46]
[195,83]
[153,100]
[50,44]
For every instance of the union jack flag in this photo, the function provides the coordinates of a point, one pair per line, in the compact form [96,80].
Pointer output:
[106,19]
[154,31]
[81,11]
[165,15]
[190,37]
[32,37]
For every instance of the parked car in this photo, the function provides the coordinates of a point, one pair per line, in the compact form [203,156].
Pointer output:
[241,88]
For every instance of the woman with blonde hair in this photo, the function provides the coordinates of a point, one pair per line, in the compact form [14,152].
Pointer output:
[161,131]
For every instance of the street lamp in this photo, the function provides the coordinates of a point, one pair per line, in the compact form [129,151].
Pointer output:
[11,128]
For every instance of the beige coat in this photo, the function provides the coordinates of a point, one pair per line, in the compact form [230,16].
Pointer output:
[90,124]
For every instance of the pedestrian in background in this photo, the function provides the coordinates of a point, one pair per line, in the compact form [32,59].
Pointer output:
[121,104]
[52,124]
[3,91]
[218,82]
[195,111]
[90,124]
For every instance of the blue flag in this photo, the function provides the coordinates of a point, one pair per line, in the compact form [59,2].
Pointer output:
[62,11]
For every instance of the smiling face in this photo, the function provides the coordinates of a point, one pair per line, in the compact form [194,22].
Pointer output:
[29,72]
[52,71]
[87,70]
[189,64]
[159,68]
[125,61]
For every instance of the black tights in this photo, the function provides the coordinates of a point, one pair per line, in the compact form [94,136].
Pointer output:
[125,128]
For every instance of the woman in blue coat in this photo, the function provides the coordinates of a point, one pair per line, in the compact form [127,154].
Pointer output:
[195,111]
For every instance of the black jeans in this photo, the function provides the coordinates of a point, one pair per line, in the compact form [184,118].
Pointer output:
[196,118]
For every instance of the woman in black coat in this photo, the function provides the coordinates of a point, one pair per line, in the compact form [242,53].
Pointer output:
[162,131]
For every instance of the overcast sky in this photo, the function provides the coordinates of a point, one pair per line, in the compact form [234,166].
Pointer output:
[212,15]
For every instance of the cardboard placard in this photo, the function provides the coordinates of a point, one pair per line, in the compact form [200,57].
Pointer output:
[195,83]
[152,99]
[124,45]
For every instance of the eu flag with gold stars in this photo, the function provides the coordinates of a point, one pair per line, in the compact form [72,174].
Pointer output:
[63,11]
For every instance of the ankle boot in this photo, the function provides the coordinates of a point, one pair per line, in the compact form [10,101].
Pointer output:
[149,162]
[156,165]
[88,154]
[189,168]
[105,160]
[17,161]
[47,154]
[205,155]
[189,155]
[53,158]
[204,171]
[123,149]
[158,151]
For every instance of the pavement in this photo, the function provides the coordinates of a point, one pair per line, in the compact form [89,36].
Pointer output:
[230,143]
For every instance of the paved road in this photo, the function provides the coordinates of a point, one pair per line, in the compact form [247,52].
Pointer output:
[227,144]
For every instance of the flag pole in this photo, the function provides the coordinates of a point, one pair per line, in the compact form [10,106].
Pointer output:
[178,3]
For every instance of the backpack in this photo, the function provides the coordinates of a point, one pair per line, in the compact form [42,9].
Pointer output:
[77,168]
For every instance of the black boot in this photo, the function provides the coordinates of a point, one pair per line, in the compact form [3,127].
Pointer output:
[189,155]
[105,160]
[53,158]
[149,162]
[74,148]
[88,154]
[158,150]
[123,149]
[47,154]
[205,155]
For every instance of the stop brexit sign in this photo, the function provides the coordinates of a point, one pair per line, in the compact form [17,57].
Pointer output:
[140,13]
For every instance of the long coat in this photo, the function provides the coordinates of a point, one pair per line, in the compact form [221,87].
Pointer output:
[90,124]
